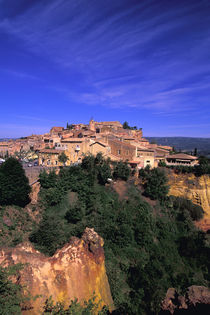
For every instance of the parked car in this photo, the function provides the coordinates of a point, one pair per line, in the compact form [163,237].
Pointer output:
[35,163]
[30,165]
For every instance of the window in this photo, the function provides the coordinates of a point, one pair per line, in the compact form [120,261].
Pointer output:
[119,152]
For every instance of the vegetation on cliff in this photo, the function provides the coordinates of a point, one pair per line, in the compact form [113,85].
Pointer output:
[10,293]
[148,247]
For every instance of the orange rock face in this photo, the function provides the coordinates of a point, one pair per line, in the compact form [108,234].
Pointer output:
[197,189]
[75,271]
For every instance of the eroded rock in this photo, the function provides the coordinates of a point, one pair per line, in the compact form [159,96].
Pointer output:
[75,271]
[195,301]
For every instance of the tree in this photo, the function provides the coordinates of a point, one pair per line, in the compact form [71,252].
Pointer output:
[63,158]
[69,126]
[14,185]
[104,172]
[126,125]
[156,186]
[121,170]
[50,234]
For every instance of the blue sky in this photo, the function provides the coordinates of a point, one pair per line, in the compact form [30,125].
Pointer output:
[147,62]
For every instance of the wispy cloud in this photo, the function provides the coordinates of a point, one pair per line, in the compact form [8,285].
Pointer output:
[21,75]
[32,118]
[150,55]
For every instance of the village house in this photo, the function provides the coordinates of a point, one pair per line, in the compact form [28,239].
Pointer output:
[75,148]
[104,126]
[181,159]
[50,157]
[99,147]
[146,156]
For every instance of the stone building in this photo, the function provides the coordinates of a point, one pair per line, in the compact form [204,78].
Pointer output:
[49,157]
[181,159]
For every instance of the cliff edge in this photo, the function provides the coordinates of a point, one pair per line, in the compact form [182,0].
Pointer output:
[75,271]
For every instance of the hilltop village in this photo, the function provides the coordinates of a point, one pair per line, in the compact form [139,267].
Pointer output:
[114,140]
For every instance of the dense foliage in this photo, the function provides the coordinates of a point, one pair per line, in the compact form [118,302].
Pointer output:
[121,171]
[148,249]
[10,293]
[154,183]
[14,185]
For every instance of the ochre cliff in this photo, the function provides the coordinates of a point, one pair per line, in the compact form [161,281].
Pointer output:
[197,189]
[75,271]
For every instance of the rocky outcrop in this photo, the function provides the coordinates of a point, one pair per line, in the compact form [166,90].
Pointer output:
[75,271]
[196,189]
[195,301]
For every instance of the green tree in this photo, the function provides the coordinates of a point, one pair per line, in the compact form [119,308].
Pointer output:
[156,186]
[126,125]
[14,185]
[48,180]
[121,170]
[50,234]
[63,158]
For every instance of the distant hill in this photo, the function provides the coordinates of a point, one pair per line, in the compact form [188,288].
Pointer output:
[6,139]
[185,143]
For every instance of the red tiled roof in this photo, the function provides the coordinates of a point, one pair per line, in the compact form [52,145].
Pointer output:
[182,156]
[50,151]
[73,140]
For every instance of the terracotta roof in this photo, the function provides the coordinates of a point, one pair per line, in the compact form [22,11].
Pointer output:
[50,151]
[122,143]
[182,156]
[100,142]
[73,140]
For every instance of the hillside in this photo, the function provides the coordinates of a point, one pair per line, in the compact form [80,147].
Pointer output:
[184,143]
[151,243]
